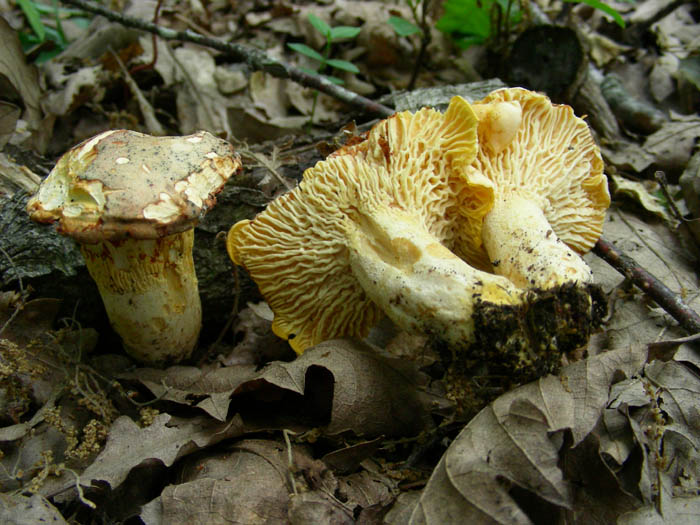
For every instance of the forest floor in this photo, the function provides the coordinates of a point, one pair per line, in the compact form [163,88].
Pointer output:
[351,431]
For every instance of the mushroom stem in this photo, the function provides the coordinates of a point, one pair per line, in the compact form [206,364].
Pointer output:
[523,247]
[420,284]
[149,288]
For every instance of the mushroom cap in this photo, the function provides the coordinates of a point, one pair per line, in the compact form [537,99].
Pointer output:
[297,249]
[552,160]
[122,183]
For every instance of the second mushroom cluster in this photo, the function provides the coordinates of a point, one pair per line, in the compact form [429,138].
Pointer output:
[467,225]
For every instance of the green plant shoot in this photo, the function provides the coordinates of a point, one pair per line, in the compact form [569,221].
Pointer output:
[602,6]
[332,35]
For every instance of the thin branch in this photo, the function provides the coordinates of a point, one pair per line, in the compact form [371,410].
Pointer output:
[660,177]
[650,285]
[255,58]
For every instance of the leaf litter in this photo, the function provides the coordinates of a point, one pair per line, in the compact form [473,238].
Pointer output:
[346,433]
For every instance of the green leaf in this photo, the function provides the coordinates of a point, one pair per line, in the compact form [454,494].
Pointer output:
[342,64]
[309,71]
[341,32]
[402,26]
[605,8]
[320,25]
[689,68]
[303,49]
[334,80]
[33,17]
[470,20]
[466,42]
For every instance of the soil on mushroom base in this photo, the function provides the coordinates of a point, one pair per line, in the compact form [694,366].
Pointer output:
[516,345]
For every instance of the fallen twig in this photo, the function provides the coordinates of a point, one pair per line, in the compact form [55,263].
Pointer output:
[650,285]
[256,59]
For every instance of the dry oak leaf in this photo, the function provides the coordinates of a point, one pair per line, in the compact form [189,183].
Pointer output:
[166,439]
[371,394]
[516,441]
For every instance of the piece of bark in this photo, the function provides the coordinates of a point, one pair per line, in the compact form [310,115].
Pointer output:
[634,114]
[589,101]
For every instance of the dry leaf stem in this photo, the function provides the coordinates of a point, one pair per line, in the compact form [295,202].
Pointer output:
[255,58]
[650,285]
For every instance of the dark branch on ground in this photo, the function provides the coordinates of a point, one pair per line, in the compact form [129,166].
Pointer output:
[671,302]
[255,58]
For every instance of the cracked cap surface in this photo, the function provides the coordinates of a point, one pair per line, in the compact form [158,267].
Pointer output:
[122,183]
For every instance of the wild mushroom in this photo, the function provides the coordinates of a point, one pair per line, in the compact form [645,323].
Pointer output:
[550,191]
[131,201]
[368,231]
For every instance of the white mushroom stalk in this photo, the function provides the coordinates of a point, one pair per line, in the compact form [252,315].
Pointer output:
[149,289]
[420,284]
[522,245]
[132,201]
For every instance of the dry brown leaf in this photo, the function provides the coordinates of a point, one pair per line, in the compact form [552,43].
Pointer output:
[317,508]
[19,77]
[248,484]
[9,114]
[642,193]
[371,394]
[677,511]
[657,249]
[627,156]
[74,89]
[199,103]
[257,344]
[588,383]
[208,388]
[598,497]
[16,509]
[165,440]
[15,177]
[516,441]
[673,144]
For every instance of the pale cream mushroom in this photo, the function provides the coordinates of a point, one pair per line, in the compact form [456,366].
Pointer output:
[368,231]
[131,201]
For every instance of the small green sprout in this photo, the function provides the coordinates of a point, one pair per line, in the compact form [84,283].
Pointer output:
[42,33]
[403,27]
[333,35]
[602,6]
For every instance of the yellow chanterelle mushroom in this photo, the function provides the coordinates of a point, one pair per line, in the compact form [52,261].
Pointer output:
[369,231]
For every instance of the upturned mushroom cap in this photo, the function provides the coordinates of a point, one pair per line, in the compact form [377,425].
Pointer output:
[300,249]
[552,162]
[123,184]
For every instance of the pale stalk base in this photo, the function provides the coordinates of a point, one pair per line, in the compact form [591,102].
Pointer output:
[149,289]
[417,282]
[523,247]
